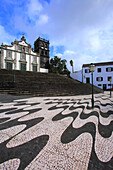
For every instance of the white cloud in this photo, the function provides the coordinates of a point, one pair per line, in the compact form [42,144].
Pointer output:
[34,7]
[78,25]
[5,37]
[43,19]
[83,27]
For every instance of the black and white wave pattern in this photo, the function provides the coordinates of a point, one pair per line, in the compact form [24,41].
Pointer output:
[57,133]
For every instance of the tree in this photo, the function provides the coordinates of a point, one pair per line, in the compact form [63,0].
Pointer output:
[58,66]
[71,63]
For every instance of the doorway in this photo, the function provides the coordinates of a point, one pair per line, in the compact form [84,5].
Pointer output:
[87,80]
[23,67]
[104,86]
[8,66]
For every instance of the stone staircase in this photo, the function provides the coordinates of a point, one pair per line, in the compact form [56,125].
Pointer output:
[41,84]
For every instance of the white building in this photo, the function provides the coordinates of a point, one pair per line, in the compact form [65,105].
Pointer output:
[101,76]
[20,56]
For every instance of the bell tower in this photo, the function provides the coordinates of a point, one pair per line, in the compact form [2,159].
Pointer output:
[41,46]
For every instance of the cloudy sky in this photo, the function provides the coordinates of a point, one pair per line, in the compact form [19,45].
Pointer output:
[81,30]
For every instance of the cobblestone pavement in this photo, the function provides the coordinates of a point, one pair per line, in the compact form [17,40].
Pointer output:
[56,133]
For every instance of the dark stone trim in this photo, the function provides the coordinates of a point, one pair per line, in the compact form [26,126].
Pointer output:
[22,61]
[9,60]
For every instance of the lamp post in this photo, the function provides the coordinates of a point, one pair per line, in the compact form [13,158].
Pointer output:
[92,69]
[110,86]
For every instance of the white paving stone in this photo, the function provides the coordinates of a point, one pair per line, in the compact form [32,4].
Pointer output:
[55,154]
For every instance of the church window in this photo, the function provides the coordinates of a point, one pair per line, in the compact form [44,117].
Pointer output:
[34,68]
[8,66]
[9,54]
[23,56]
[20,48]
[27,49]
[23,66]
[35,59]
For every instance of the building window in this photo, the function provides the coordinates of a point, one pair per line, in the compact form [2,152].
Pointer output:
[23,56]
[27,49]
[110,85]
[99,70]
[34,68]
[20,48]
[23,66]
[8,66]
[45,52]
[9,54]
[109,69]
[35,59]
[99,85]
[86,70]
[109,78]
[99,78]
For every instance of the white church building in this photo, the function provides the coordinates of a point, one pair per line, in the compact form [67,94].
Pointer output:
[101,77]
[20,56]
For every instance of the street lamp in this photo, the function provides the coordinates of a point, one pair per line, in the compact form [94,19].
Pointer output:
[110,86]
[92,69]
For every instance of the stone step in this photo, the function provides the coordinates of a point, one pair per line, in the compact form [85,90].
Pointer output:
[41,84]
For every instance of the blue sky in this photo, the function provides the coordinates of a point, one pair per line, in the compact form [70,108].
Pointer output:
[81,30]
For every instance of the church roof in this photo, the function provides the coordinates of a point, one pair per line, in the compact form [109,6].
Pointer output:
[18,42]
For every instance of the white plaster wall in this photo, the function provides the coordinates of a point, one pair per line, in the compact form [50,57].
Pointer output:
[11,48]
[18,63]
[13,57]
[43,70]
[85,75]
[23,43]
[14,47]
[27,64]
[38,66]
[38,63]
[4,66]
[77,75]
[33,53]
[103,74]
[31,63]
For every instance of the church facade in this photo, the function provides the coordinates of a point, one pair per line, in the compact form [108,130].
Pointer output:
[20,56]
